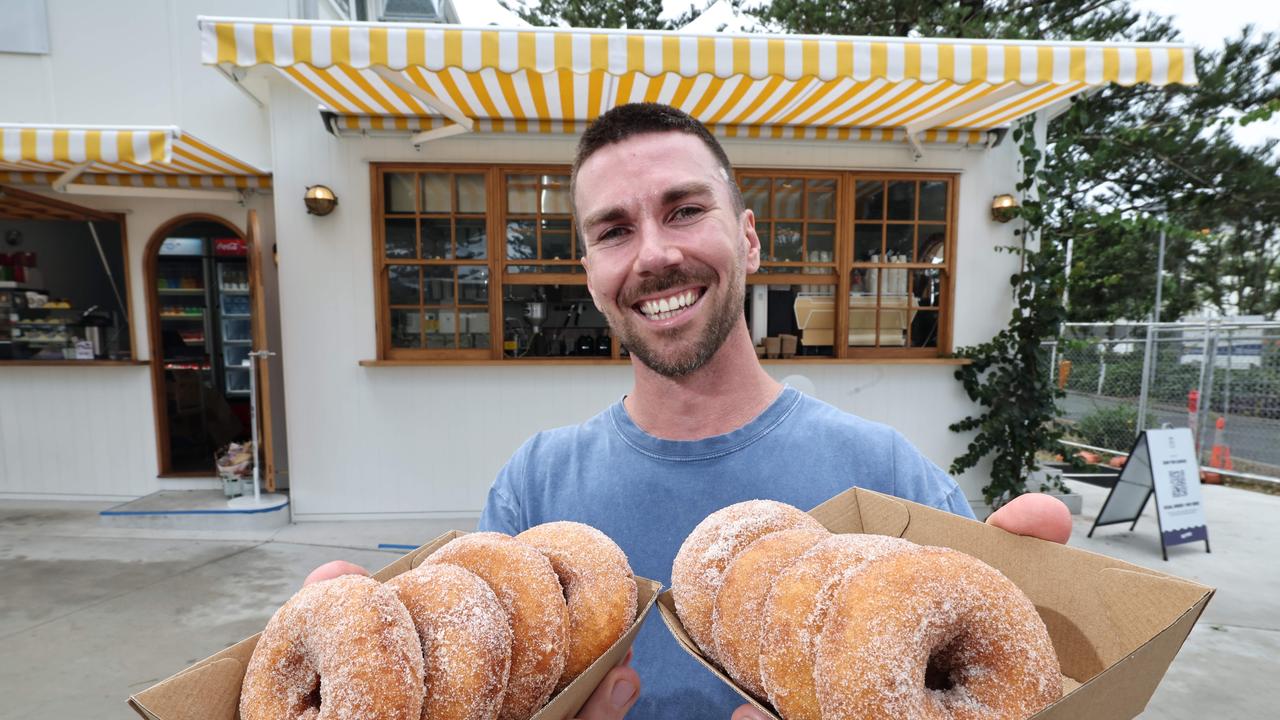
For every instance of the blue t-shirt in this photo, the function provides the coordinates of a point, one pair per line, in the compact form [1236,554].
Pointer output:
[648,494]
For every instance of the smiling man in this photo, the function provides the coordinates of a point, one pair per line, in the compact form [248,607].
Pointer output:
[669,245]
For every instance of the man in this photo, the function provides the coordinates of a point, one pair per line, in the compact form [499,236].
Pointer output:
[668,246]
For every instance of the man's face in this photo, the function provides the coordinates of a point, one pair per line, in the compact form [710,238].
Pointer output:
[666,256]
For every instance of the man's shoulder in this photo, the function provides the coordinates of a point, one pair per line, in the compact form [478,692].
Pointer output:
[816,416]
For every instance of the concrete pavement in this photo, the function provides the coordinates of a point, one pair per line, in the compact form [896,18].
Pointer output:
[91,614]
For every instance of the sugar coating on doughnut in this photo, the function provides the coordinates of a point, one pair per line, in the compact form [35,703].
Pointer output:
[795,610]
[964,620]
[599,588]
[735,623]
[529,591]
[704,556]
[347,643]
[466,641]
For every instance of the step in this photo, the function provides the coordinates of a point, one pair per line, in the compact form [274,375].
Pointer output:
[195,510]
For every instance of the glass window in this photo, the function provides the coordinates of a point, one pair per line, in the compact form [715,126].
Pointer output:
[883,242]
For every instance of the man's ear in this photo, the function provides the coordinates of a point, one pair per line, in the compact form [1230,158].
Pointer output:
[752,239]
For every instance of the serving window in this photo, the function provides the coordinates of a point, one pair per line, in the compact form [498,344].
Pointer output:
[482,262]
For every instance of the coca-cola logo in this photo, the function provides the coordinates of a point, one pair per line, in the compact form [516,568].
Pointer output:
[229,246]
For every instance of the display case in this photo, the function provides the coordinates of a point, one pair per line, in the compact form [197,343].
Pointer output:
[34,326]
[235,338]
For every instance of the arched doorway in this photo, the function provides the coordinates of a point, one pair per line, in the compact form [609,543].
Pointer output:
[204,318]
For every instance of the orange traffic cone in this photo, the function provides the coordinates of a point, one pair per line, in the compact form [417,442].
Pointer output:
[1220,456]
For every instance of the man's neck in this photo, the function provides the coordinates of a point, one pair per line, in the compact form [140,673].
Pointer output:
[721,396]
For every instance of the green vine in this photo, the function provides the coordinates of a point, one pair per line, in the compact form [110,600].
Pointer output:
[1008,375]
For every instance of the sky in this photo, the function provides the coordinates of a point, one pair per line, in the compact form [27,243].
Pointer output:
[1203,22]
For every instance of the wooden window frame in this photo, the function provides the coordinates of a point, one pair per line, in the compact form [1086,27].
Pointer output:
[496,215]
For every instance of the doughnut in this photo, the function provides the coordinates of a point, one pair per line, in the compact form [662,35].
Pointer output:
[968,645]
[529,592]
[702,560]
[340,649]
[599,589]
[735,622]
[466,642]
[794,614]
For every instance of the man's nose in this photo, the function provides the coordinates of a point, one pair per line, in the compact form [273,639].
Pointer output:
[656,251]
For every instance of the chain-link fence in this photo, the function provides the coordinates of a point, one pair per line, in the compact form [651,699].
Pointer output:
[1220,378]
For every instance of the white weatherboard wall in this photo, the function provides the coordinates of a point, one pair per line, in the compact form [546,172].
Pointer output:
[428,440]
[90,431]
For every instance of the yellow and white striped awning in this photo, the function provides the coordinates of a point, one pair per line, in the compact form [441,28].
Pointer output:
[443,79]
[151,157]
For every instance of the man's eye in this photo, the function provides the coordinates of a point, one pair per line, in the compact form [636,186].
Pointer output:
[612,233]
[687,212]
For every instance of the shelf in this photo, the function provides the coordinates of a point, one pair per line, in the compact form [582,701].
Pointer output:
[236,342]
[229,291]
[25,341]
[180,291]
[183,317]
[230,316]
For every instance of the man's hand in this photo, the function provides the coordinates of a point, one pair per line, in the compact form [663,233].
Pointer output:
[331,570]
[1034,514]
[612,698]
[615,695]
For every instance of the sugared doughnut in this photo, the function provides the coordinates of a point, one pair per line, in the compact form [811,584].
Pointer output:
[735,623]
[969,645]
[466,641]
[702,560]
[530,593]
[599,589]
[342,649]
[794,613]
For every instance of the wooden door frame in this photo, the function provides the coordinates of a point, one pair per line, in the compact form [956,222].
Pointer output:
[150,258]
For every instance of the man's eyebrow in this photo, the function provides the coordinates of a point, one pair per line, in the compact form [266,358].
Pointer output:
[680,192]
[607,215]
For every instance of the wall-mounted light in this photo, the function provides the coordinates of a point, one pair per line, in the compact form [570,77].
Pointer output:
[320,200]
[1004,208]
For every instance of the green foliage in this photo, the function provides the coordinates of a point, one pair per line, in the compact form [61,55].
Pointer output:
[1008,375]
[1102,427]
[628,14]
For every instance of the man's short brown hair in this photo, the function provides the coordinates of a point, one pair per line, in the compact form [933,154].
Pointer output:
[632,119]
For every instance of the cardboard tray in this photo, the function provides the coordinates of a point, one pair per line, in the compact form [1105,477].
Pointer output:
[1115,626]
[210,689]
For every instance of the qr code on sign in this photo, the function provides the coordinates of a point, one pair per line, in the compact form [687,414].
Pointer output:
[1178,479]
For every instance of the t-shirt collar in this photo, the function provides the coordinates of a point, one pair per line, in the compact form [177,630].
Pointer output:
[705,448]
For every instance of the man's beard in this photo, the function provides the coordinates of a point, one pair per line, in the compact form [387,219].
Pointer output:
[724,317]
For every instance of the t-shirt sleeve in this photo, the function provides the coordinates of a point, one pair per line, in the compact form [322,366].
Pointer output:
[502,508]
[917,479]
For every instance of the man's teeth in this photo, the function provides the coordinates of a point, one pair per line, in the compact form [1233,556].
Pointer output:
[669,306]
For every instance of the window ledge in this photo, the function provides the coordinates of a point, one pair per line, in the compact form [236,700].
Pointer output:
[73,363]
[563,362]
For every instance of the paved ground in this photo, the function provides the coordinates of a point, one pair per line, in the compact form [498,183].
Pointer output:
[90,614]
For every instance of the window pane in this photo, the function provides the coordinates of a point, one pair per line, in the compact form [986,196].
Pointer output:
[902,200]
[805,312]
[522,194]
[755,194]
[866,242]
[397,192]
[474,330]
[439,326]
[471,194]
[821,242]
[933,243]
[924,329]
[869,204]
[898,240]
[555,240]
[435,193]
[933,200]
[822,199]
[402,285]
[788,198]
[473,285]
[553,321]
[436,241]
[401,239]
[472,239]
[892,311]
[521,239]
[406,328]
[787,243]
[926,285]
[437,285]
[555,195]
